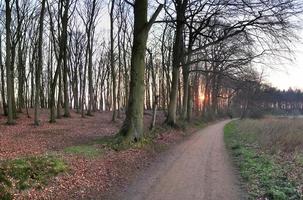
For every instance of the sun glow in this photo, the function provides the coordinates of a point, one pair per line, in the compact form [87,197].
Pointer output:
[201,97]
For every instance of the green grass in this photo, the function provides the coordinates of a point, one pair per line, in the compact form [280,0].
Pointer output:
[115,142]
[299,159]
[118,142]
[199,124]
[264,177]
[23,173]
[84,150]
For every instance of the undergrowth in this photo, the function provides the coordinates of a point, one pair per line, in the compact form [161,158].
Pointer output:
[265,178]
[118,142]
[299,159]
[24,173]
[85,150]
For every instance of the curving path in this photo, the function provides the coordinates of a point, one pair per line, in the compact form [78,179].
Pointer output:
[197,169]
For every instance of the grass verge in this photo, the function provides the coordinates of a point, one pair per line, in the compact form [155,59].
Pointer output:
[264,177]
[23,173]
[84,150]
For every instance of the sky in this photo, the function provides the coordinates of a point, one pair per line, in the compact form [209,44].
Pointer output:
[284,75]
[290,72]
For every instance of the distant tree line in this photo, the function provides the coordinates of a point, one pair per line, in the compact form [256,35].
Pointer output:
[268,100]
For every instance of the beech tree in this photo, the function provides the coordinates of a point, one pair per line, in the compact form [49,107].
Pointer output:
[180,6]
[132,127]
[8,62]
[112,60]
[40,62]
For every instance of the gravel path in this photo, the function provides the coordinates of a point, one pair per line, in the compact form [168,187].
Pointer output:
[198,168]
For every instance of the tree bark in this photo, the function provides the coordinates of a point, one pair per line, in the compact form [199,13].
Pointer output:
[112,61]
[8,62]
[132,128]
[154,91]
[2,82]
[21,77]
[64,57]
[177,53]
[39,64]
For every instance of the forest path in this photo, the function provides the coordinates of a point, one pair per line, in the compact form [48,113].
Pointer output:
[197,169]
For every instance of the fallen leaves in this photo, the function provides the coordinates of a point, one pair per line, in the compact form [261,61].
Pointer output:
[87,178]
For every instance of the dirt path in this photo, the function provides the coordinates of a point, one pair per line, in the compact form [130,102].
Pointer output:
[199,168]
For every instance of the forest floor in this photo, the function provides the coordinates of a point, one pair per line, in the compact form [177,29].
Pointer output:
[93,170]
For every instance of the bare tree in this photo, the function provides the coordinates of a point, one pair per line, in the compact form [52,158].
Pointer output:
[40,62]
[132,127]
[9,73]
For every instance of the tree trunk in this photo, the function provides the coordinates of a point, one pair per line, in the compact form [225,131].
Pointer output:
[189,104]
[83,90]
[59,100]
[185,69]
[112,60]
[90,79]
[126,76]
[21,77]
[2,82]
[31,65]
[52,97]
[177,53]
[154,91]
[39,64]
[9,79]
[12,64]
[64,57]
[132,127]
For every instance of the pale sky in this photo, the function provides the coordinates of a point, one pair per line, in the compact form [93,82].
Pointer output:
[288,73]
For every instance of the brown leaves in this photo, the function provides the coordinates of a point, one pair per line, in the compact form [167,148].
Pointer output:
[87,178]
